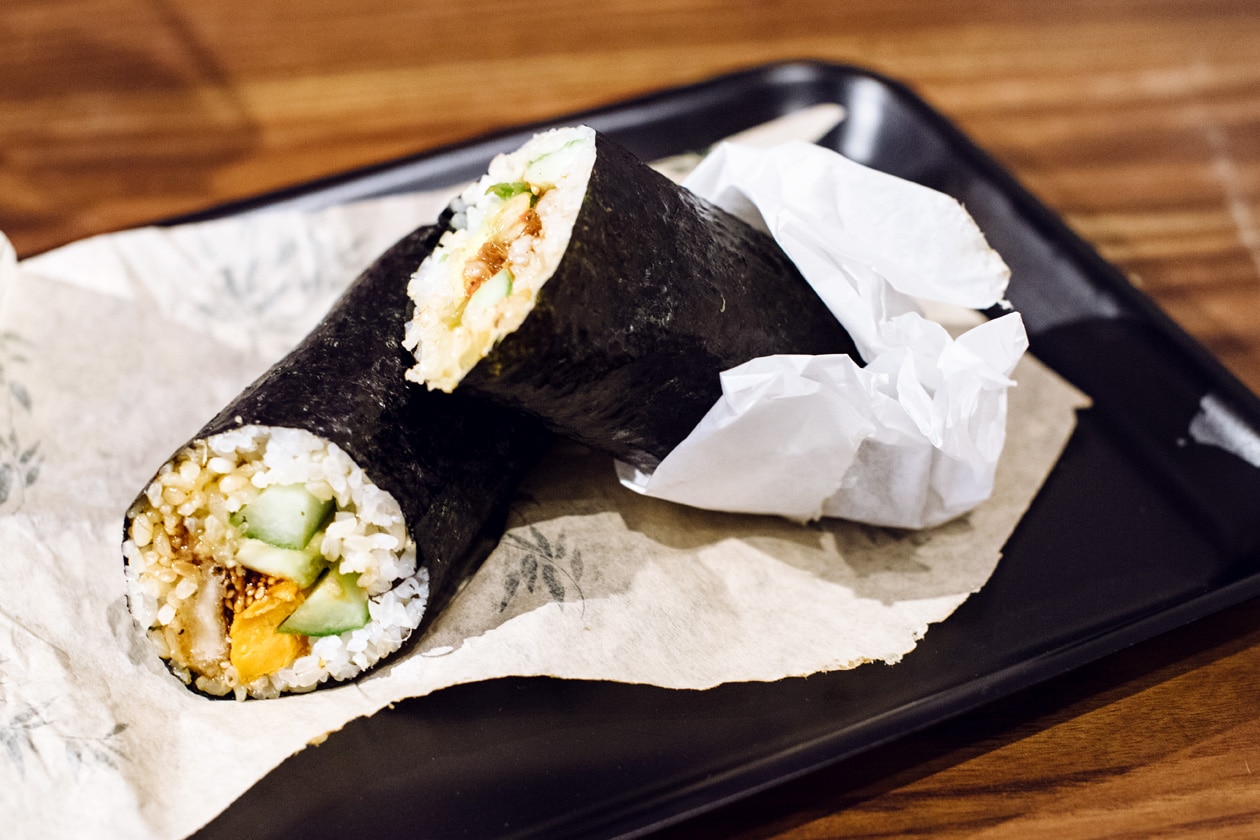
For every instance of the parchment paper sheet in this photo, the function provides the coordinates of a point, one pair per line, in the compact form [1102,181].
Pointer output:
[114,351]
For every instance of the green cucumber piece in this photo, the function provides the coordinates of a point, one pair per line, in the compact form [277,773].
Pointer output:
[508,189]
[283,515]
[300,565]
[490,292]
[335,605]
[548,169]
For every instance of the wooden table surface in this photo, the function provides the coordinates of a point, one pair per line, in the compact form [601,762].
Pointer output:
[1137,120]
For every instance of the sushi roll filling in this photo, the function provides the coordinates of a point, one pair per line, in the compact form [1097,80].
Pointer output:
[507,234]
[514,219]
[262,561]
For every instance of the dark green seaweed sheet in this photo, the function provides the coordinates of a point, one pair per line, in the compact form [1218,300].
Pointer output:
[658,292]
[451,463]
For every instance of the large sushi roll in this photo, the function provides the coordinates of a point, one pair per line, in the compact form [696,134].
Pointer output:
[327,512]
[575,283]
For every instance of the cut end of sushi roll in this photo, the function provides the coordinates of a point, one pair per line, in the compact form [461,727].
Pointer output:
[262,560]
[507,235]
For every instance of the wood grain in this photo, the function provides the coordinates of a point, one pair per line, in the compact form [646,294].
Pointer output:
[1137,120]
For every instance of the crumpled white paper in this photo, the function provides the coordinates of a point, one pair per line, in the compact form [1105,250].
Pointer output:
[910,440]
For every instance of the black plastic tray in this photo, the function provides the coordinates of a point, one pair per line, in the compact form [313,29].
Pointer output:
[1137,531]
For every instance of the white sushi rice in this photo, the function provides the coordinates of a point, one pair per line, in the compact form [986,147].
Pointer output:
[447,337]
[194,496]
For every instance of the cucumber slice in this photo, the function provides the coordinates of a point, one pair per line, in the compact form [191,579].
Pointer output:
[284,515]
[551,167]
[302,566]
[489,293]
[335,605]
[508,189]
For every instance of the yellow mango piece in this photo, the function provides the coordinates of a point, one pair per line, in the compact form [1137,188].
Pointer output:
[257,649]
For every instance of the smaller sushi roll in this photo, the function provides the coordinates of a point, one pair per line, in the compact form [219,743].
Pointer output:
[578,285]
[327,513]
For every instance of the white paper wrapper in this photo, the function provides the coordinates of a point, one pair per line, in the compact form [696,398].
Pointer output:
[911,439]
[115,350]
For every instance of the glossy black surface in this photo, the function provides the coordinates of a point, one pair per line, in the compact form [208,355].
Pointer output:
[1137,531]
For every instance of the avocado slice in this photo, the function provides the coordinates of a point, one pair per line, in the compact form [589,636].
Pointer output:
[335,605]
[283,515]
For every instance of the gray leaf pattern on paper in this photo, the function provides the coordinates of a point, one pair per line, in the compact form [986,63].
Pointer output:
[269,292]
[28,732]
[541,558]
[20,459]
[100,749]
[17,733]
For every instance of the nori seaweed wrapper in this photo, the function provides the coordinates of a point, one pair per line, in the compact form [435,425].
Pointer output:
[451,463]
[658,292]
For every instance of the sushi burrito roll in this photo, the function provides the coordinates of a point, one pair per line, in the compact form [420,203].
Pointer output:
[325,514]
[575,283]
